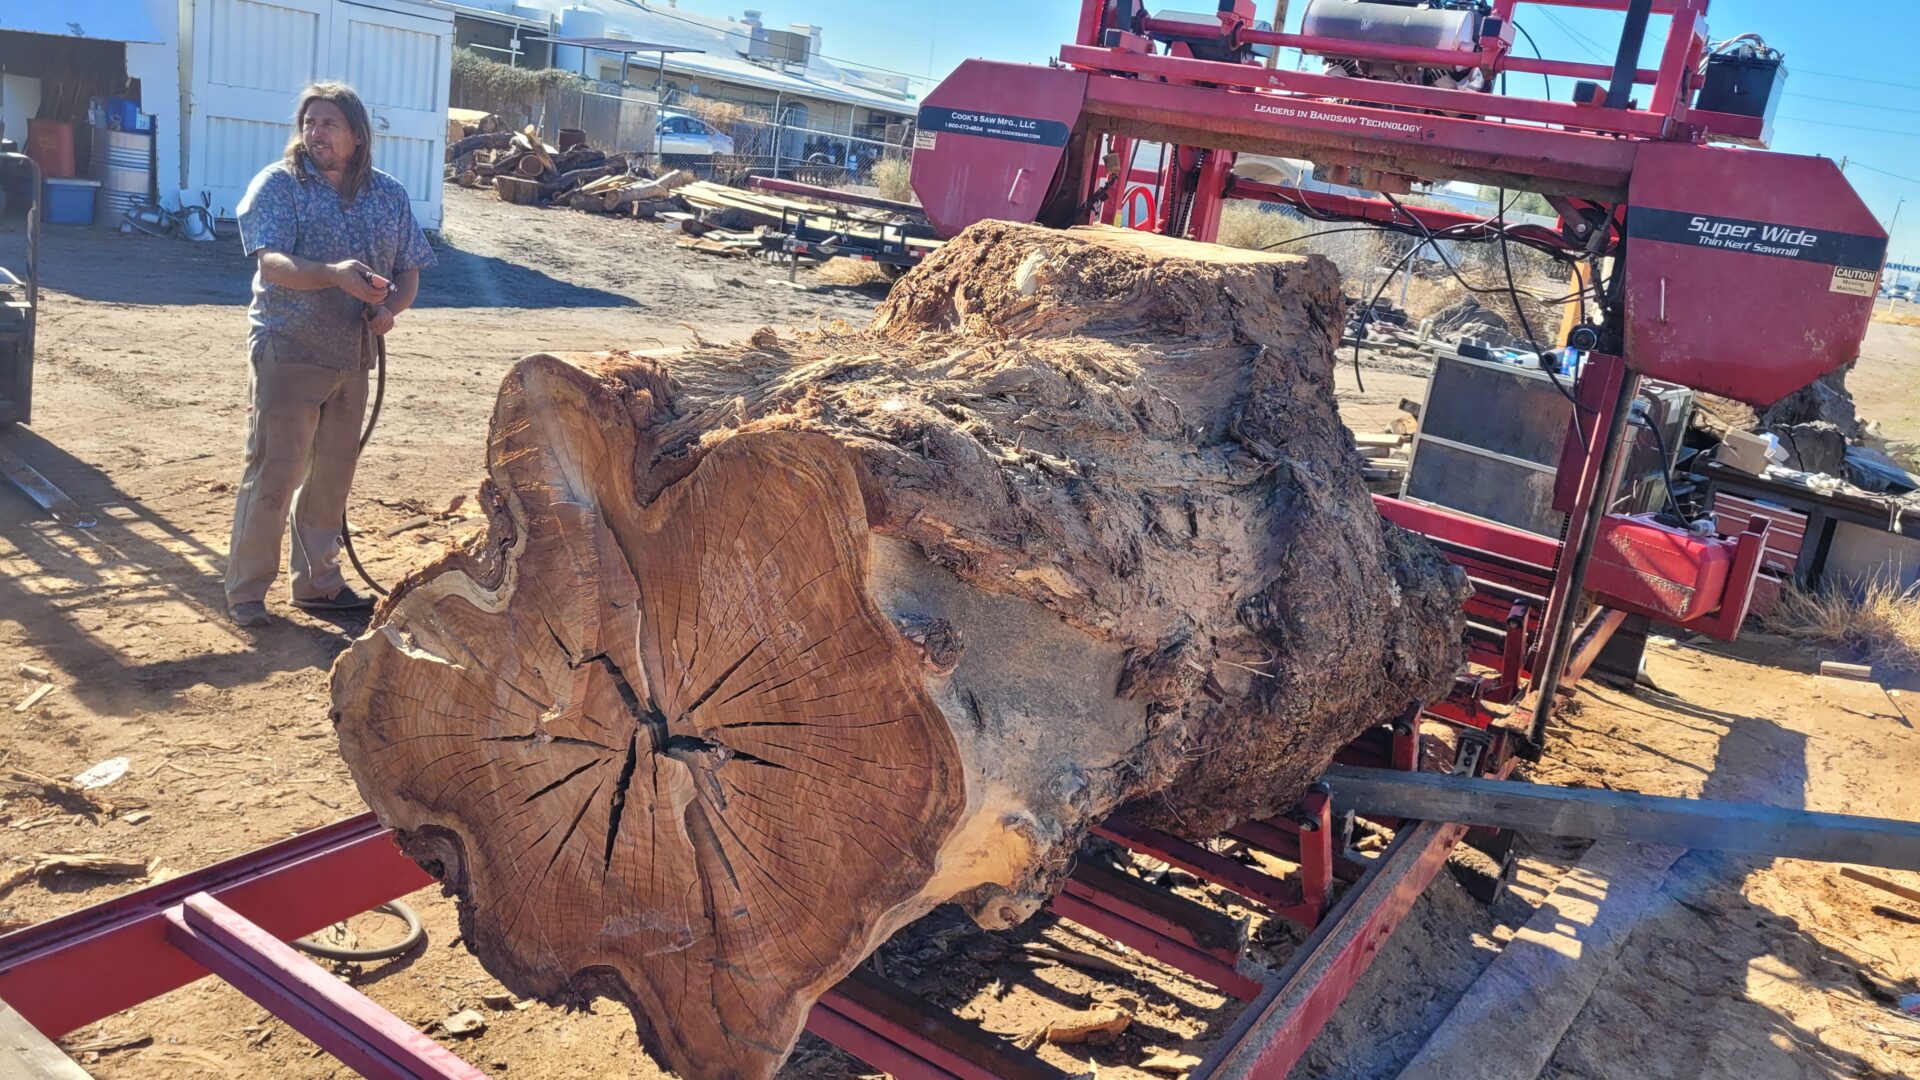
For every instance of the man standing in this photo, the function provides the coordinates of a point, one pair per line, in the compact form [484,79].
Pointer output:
[338,256]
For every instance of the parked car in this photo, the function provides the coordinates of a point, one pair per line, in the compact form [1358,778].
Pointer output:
[681,135]
[1900,292]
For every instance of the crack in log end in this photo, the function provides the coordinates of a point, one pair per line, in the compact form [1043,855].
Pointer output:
[693,750]
[550,787]
[722,680]
[542,737]
[618,804]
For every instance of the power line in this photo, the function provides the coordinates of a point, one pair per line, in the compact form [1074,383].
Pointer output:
[1882,172]
[1587,44]
[1857,78]
[1853,127]
[1847,101]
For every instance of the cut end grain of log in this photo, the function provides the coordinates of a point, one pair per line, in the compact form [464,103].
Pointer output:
[770,648]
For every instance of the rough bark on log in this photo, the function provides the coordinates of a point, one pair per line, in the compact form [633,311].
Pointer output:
[771,648]
[492,140]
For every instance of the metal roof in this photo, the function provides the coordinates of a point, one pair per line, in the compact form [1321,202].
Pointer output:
[620,45]
[102,20]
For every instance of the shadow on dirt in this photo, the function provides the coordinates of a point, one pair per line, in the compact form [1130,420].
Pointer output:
[84,591]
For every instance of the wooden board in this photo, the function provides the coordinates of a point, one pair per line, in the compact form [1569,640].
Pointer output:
[1629,815]
[25,1054]
[1553,964]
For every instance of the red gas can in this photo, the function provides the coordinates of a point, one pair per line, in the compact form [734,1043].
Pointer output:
[50,145]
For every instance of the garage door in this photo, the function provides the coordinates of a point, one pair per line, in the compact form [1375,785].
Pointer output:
[250,58]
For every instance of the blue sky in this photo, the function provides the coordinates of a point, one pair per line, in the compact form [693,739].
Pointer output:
[1853,86]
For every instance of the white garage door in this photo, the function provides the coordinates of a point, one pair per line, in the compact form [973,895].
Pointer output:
[250,58]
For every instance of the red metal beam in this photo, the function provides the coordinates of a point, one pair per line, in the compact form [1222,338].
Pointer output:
[339,1019]
[1572,69]
[1274,1034]
[71,971]
[1660,7]
[1180,956]
[1519,156]
[1329,88]
[1277,894]
[1456,528]
[875,1049]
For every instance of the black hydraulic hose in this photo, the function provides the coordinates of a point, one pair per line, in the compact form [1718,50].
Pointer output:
[414,935]
[373,417]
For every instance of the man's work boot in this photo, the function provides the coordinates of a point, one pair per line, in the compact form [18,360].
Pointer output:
[249,614]
[344,600]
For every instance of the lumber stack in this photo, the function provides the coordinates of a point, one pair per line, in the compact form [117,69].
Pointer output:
[770,648]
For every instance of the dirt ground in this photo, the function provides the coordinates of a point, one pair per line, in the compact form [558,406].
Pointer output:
[1883,382]
[1747,968]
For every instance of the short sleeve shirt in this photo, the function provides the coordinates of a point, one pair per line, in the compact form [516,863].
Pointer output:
[303,217]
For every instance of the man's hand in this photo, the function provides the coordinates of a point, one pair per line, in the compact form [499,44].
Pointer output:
[380,320]
[356,279]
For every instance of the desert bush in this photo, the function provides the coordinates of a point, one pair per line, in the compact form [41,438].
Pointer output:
[894,178]
[1880,621]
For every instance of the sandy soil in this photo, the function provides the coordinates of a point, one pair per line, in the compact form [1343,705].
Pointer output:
[1751,969]
[1883,382]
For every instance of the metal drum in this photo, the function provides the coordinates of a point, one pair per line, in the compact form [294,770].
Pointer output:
[123,163]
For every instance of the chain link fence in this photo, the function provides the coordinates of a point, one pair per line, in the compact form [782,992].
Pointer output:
[824,158]
[612,119]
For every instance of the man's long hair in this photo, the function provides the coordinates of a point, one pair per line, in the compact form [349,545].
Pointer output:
[360,166]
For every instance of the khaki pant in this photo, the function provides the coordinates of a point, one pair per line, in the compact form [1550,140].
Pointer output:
[303,440]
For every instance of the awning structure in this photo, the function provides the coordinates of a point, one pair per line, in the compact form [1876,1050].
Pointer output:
[99,20]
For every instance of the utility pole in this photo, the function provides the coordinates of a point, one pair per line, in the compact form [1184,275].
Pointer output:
[1896,213]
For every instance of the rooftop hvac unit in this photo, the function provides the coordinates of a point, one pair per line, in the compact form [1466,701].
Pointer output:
[786,48]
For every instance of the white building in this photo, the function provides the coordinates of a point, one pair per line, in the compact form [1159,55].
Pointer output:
[220,79]
[773,72]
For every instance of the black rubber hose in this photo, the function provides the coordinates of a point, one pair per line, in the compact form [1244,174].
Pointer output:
[415,935]
[379,395]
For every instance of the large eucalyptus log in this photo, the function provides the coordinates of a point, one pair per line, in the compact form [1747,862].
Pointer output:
[771,648]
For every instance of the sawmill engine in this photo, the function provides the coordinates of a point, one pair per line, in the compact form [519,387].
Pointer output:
[1460,26]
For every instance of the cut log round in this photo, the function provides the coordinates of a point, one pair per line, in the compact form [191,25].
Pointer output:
[770,648]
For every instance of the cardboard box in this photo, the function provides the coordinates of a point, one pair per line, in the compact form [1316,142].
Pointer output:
[1747,453]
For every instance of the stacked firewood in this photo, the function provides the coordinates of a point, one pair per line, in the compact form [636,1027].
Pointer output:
[521,168]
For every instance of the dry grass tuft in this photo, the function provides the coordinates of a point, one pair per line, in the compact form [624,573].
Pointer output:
[1248,225]
[894,178]
[855,273]
[1896,318]
[721,114]
[1880,621]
